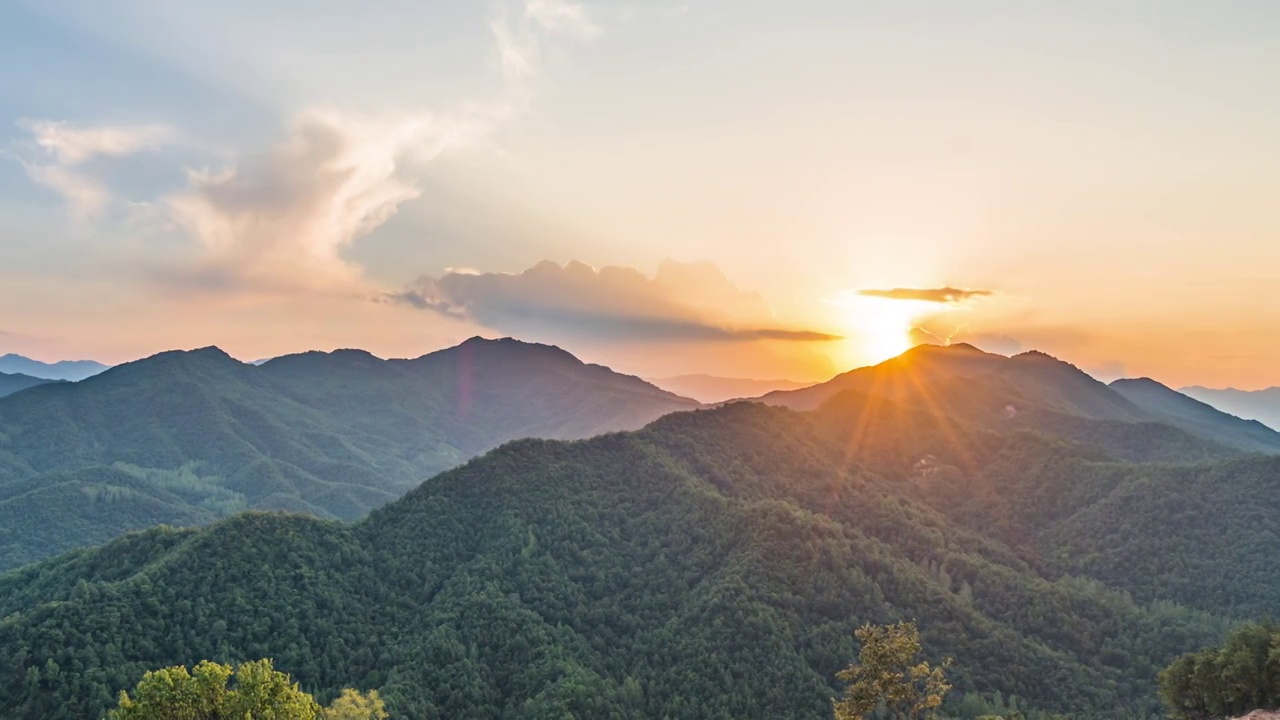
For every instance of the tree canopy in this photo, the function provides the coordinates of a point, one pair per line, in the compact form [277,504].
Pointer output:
[1236,678]
[889,672]
[205,693]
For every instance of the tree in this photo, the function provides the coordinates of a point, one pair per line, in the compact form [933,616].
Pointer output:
[173,693]
[887,673]
[1240,676]
[354,705]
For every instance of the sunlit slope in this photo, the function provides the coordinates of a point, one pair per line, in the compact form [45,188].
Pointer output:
[1035,388]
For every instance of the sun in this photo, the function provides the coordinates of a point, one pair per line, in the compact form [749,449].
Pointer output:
[877,328]
[885,334]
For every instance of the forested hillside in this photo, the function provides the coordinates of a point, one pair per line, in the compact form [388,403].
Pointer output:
[188,437]
[712,565]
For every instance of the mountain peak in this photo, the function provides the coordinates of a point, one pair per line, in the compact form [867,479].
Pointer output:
[934,350]
[1140,382]
[211,352]
[509,346]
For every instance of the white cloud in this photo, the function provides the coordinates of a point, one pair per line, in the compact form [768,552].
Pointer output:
[519,36]
[280,221]
[71,145]
[561,16]
[58,153]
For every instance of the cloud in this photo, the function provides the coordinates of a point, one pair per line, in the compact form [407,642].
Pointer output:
[682,302]
[519,36]
[57,154]
[562,16]
[935,295]
[72,145]
[280,220]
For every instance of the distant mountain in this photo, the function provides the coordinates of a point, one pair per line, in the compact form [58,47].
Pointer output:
[12,383]
[72,370]
[714,389]
[186,437]
[1201,418]
[713,564]
[1036,391]
[1260,405]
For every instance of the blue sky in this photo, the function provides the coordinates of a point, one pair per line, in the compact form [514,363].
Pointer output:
[269,176]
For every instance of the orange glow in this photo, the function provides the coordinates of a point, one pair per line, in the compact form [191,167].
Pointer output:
[878,328]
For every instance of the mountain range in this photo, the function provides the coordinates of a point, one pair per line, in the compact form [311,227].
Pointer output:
[71,370]
[1060,538]
[1260,405]
[714,389]
[1043,393]
[184,438]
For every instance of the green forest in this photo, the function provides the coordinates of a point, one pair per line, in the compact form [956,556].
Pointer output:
[714,564]
[1240,676]
[186,438]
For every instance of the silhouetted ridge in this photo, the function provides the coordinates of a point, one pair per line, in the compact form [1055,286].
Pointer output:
[1035,390]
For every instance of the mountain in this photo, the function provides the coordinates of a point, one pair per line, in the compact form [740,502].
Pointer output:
[1045,393]
[1260,405]
[72,370]
[1177,408]
[713,564]
[12,383]
[714,389]
[187,437]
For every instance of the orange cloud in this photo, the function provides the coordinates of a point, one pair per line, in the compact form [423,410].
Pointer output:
[936,295]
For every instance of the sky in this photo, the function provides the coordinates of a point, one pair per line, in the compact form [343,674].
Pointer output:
[740,188]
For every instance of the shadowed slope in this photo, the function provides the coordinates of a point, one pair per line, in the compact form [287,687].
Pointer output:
[11,383]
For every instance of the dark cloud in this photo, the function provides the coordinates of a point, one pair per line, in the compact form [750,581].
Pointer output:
[682,302]
[936,295]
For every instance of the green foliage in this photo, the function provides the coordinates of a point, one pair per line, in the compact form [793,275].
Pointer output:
[889,673]
[259,692]
[355,705]
[1240,676]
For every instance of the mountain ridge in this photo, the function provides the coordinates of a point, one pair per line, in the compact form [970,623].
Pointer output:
[1037,380]
[70,370]
[1261,405]
[11,383]
[331,434]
